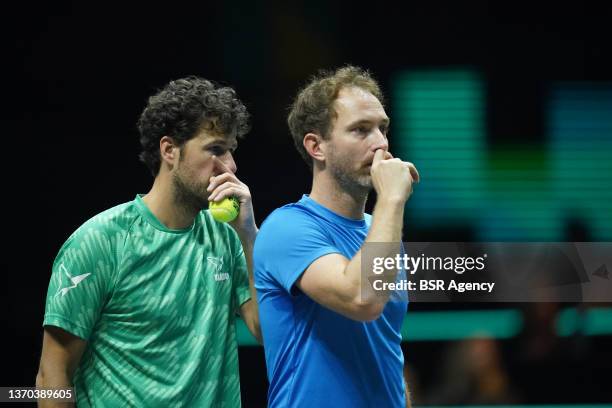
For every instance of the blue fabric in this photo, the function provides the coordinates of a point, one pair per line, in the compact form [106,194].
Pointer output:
[316,357]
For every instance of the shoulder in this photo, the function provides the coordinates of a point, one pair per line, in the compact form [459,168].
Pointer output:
[115,220]
[291,219]
[290,214]
[104,230]
[289,227]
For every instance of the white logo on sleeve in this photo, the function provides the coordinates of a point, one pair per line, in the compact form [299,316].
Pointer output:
[217,264]
[75,280]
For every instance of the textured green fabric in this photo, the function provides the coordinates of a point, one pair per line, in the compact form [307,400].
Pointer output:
[156,306]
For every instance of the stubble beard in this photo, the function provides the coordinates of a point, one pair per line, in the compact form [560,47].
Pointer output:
[189,196]
[348,180]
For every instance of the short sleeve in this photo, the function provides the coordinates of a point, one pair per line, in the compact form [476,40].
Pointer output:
[81,278]
[240,280]
[288,242]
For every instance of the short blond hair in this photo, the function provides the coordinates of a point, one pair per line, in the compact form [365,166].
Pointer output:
[313,110]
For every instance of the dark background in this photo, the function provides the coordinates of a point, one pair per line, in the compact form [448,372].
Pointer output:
[77,76]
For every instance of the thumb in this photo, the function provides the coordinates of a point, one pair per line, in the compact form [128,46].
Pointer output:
[378,156]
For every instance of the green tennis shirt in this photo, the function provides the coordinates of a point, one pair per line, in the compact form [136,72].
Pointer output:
[157,307]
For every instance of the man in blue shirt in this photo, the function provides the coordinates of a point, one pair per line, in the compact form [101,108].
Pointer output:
[328,340]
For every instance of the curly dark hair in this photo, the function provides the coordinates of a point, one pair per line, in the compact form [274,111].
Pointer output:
[312,110]
[181,108]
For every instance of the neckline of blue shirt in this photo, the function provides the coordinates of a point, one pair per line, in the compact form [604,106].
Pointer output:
[308,202]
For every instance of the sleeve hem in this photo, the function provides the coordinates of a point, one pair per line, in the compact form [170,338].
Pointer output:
[67,325]
[244,296]
[290,288]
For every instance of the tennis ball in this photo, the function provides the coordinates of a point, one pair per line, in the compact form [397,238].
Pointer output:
[225,210]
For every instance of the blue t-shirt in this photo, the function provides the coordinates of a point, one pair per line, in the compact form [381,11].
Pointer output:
[315,356]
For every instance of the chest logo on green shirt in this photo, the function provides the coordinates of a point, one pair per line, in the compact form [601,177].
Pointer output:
[217,264]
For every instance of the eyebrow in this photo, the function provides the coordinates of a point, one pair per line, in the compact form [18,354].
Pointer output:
[384,121]
[222,142]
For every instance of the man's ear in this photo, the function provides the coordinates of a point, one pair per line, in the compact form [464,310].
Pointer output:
[168,151]
[315,146]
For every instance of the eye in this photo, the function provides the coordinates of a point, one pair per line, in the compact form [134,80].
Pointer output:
[217,150]
[362,130]
[384,129]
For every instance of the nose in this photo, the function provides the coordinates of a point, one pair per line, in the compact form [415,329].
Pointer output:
[380,141]
[228,160]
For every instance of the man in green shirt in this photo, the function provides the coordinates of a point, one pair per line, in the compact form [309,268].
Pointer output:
[143,297]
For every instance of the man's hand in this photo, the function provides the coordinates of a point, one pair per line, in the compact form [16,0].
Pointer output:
[227,185]
[392,178]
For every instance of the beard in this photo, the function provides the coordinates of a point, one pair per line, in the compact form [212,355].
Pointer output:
[192,196]
[351,180]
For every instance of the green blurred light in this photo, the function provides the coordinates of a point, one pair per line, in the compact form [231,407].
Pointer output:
[523,406]
[439,124]
[497,324]
[591,322]
[461,325]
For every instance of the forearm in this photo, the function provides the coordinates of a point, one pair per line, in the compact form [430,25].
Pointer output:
[252,319]
[387,221]
[408,396]
[339,283]
[53,379]
[387,224]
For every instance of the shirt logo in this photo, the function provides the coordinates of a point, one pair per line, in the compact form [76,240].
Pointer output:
[74,279]
[217,264]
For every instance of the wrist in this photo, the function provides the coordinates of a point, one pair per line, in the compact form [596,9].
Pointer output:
[391,200]
[247,235]
[391,209]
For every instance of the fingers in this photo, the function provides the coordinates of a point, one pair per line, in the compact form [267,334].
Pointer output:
[227,189]
[381,154]
[219,193]
[413,172]
[220,179]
